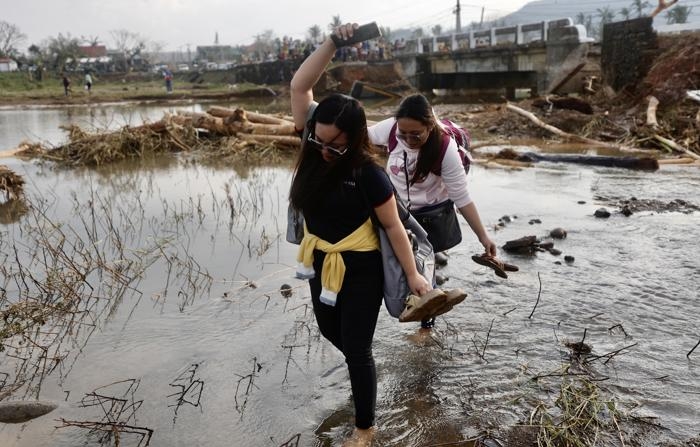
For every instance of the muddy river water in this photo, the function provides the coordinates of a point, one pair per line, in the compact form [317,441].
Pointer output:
[182,329]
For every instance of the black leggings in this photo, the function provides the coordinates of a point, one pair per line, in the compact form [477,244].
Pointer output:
[350,324]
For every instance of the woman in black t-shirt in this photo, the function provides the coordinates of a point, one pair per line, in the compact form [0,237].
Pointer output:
[338,184]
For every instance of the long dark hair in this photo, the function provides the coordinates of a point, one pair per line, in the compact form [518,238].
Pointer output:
[313,176]
[417,107]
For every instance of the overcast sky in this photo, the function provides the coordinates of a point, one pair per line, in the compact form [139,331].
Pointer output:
[177,23]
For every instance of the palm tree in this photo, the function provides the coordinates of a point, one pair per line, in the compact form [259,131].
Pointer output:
[606,15]
[314,33]
[436,30]
[625,13]
[336,22]
[679,14]
[639,6]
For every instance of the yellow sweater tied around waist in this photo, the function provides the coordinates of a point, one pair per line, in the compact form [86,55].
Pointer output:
[364,238]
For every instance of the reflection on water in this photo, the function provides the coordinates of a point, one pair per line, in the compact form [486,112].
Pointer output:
[167,277]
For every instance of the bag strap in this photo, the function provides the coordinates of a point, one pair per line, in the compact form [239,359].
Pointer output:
[391,144]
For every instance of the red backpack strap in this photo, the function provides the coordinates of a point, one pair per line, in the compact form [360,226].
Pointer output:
[437,167]
[392,143]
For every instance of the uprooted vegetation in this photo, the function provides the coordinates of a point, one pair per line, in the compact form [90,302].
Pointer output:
[669,123]
[221,134]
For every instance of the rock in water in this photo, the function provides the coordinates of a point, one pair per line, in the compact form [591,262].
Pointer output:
[14,412]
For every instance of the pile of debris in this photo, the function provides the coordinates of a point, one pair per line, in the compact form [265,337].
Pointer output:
[220,132]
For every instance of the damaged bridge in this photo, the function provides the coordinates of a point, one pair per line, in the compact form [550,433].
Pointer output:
[537,56]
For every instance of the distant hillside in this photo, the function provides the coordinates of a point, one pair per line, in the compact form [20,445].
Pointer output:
[555,9]
[589,11]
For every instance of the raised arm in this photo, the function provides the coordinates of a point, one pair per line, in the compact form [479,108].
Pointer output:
[310,72]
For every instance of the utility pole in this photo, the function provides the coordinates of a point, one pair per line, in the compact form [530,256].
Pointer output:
[482,17]
[458,26]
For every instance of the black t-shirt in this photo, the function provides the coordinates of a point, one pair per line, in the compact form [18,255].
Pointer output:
[346,207]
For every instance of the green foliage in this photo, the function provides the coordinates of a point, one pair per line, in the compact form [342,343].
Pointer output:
[62,53]
[679,14]
[640,6]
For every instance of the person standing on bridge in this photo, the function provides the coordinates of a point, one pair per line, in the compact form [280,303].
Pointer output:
[338,183]
[419,140]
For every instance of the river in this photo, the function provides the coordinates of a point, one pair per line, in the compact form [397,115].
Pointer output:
[183,330]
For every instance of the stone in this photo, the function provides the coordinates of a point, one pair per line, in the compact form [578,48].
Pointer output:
[602,213]
[558,233]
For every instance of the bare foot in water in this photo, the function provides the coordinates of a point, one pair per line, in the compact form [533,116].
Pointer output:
[361,437]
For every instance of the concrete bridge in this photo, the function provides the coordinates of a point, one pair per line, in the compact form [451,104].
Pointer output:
[536,56]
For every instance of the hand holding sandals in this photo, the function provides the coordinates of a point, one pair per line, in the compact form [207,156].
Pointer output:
[499,267]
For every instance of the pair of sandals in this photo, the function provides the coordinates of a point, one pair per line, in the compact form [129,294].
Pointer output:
[430,305]
[499,267]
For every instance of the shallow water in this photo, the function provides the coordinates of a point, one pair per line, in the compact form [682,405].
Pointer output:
[218,357]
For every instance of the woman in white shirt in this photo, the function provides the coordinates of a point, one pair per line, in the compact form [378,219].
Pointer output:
[415,162]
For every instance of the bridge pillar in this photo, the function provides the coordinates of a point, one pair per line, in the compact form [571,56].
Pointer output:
[472,41]
[519,38]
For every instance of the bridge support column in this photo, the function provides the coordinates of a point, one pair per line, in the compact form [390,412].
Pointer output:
[472,41]
[519,38]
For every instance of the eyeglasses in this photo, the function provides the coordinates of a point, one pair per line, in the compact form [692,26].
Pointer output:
[332,149]
[410,137]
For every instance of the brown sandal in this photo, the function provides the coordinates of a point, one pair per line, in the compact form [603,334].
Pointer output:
[453,297]
[423,307]
[499,267]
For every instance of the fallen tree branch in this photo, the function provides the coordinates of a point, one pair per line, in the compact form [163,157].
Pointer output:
[691,351]
[568,136]
[675,146]
[539,293]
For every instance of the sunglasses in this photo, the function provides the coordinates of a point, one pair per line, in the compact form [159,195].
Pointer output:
[410,137]
[338,151]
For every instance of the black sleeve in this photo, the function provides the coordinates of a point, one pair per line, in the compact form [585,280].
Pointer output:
[376,185]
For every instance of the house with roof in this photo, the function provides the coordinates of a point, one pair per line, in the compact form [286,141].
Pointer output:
[7,64]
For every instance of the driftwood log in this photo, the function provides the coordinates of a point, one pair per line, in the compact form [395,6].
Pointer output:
[244,125]
[639,163]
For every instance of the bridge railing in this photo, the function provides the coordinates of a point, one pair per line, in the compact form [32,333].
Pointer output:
[497,37]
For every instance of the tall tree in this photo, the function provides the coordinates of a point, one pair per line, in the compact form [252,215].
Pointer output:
[587,21]
[129,45]
[625,13]
[605,14]
[436,30]
[314,33]
[640,6]
[679,14]
[93,41]
[336,22]
[264,43]
[62,52]
[10,38]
